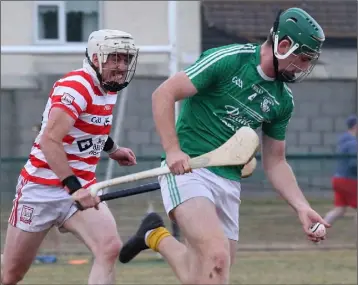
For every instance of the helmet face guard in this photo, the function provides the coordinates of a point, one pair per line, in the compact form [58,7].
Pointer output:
[299,53]
[306,38]
[118,68]
[117,58]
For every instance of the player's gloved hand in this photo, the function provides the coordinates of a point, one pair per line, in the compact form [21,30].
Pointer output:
[178,162]
[307,217]
[124,156]
[85,200]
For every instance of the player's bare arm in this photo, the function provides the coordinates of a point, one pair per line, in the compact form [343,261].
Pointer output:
[174,89]
[280,174]
[164,97]
[58,126]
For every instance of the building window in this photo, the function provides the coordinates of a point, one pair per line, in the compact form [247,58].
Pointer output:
[48,24]
[61,22]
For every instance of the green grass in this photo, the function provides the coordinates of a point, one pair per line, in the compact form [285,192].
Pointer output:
[264,224]
[293,267]
[266,227]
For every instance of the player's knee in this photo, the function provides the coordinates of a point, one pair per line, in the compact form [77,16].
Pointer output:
[213,270]
[221,259]
[108,249]
[217,257]
[216,249]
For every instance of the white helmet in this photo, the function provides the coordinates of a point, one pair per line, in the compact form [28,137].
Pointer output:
[105,42]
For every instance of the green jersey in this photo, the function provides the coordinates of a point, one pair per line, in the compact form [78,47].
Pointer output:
[233,92]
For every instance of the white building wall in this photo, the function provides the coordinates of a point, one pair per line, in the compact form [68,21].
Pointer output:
[145,20]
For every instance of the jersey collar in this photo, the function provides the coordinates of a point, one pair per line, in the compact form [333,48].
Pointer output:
[263,75]
[259,68]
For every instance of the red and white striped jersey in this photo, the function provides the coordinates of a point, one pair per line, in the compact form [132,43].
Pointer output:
[79,94]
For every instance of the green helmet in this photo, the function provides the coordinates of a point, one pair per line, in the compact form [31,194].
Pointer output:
[305,34]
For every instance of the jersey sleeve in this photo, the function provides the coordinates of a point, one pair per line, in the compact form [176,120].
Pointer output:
[71,96]
[207,70]
[276,129]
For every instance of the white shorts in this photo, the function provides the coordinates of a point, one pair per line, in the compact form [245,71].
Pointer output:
[224,193]
[38,207]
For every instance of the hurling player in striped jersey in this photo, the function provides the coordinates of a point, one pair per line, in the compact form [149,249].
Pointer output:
[51,189]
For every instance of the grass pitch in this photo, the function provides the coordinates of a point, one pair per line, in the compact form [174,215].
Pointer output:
[272,248]
[289,267]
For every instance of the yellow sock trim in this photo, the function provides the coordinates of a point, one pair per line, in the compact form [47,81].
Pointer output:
[156,236]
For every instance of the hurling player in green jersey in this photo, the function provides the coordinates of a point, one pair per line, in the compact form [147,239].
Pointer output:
[226,88]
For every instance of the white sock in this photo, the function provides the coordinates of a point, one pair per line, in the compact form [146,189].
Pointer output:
[146,236]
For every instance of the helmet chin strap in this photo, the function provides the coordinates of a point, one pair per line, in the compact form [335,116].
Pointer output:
[111,86]
[279,75]
[274,31]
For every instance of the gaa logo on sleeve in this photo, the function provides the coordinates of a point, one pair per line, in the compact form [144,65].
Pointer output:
[67,99]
